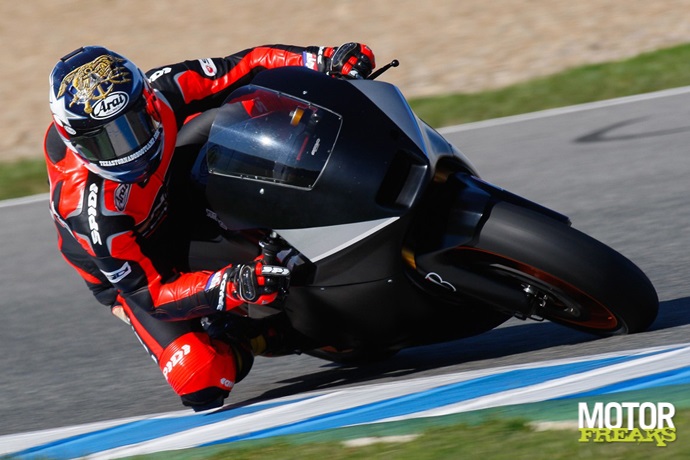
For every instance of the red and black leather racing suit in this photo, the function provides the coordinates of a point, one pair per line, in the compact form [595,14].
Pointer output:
[129,241]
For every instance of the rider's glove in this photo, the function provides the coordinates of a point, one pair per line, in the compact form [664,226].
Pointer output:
[251,283]
[354,60]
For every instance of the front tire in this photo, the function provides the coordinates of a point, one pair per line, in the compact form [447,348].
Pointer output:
[574,279]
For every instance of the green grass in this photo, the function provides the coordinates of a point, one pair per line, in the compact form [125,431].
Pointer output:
[23,177]
[504,440]
[668,68]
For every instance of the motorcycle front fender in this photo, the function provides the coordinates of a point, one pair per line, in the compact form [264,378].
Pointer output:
[468,201]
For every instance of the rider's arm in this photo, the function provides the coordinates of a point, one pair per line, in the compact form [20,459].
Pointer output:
[195,86]
[136,281]
[182,296]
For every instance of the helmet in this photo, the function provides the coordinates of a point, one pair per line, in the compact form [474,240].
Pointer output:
[105,110]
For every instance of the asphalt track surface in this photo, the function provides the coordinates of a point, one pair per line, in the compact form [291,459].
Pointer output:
[619,170]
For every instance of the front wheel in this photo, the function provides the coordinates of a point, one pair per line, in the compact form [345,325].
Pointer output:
[567,276]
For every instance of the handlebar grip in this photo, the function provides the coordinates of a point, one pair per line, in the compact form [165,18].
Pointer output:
[275,270]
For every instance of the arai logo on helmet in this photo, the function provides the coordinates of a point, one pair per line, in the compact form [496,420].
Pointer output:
[110,105]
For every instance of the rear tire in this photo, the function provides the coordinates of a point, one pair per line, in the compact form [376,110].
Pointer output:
[582,283]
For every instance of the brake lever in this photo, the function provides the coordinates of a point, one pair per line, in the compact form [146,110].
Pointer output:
[393,63]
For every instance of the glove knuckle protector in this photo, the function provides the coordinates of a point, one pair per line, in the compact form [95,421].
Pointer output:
[246,283]
[353,59]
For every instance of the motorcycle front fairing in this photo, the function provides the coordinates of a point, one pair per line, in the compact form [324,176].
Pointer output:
[324,180]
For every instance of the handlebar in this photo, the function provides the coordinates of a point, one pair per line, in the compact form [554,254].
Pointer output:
[270,246]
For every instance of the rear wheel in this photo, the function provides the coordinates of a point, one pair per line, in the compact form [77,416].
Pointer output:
[567,276]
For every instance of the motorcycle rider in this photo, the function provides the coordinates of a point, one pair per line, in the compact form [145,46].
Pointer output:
[125,209]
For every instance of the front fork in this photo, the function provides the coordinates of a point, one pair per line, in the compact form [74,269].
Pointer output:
[448,264]
[270,247]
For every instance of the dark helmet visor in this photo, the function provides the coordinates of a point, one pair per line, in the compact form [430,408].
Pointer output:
[121,140]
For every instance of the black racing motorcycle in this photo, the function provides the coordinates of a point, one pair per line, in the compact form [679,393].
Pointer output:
[392,238]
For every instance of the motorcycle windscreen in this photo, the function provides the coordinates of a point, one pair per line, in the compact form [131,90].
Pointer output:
[263,135]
